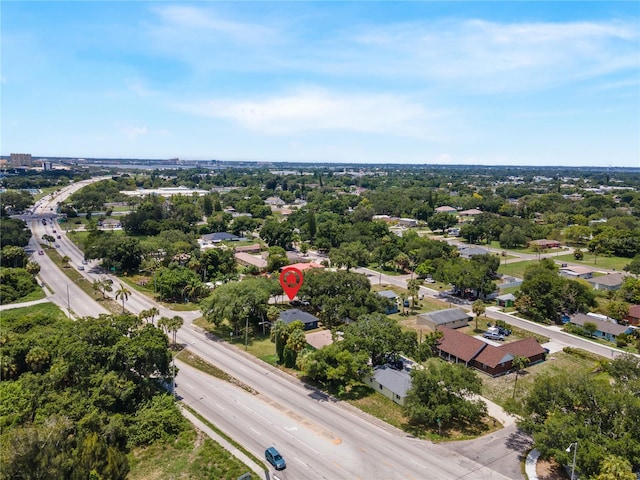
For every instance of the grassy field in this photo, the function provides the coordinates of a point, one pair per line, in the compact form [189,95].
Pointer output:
[192,456]
[501,389]
[516,269]
[45,309]
[608,263]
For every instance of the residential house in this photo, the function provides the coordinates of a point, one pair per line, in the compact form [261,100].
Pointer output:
[468,215]
[393,384]
[276,202]
[505,300]
[542,244]
[446,209]
[458,347]
[407,222]
[289,316]
[449,317]
[493,360]
[249,260]
[607,330]
[576,271]
[610,282]
[304,266]
[253,248]
[391,295]
[468,252]
[634,315]
[217,237]
[496,361]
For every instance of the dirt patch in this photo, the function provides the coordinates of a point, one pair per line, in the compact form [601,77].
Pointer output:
[550,470]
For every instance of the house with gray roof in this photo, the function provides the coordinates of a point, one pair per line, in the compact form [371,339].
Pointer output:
[449,317]
[391,296]
[289,316]
[468,252]
[611,281]
[607,330]
[393,384]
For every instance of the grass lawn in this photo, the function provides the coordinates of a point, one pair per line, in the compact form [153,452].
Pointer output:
[608,263]
[41,309]
[516,269]
[500,389]
[192,456]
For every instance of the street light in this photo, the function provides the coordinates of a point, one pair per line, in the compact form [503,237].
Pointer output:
[173,372]
[575,450]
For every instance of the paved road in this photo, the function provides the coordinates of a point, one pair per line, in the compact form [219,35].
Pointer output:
[319,438]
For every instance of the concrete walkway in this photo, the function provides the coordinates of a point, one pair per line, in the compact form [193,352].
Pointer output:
[530,464]
[255,468]
[10,306]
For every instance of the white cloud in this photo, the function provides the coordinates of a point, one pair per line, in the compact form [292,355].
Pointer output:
[132,131]
[487,56]
[318,109]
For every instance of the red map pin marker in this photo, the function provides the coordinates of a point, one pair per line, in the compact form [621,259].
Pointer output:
[291,280]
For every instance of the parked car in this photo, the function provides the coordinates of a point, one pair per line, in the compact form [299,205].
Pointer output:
[84,262]
[493,336]
[503,331]
[40,252]
[80,267]
[274,458]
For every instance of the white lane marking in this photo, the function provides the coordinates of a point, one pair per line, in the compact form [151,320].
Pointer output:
[189,385]
[256,431]
[220,407]
[413,461]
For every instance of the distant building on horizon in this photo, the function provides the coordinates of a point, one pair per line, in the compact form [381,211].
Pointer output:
[21,160]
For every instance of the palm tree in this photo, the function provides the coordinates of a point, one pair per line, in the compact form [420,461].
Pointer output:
[65,261]
[413,286]
[174,325]
[144,315]
[123,293]
[520,363]
[153,312]
[478,309]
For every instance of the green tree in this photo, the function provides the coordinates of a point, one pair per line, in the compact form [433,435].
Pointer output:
[590,328]
[13,232]
[633,266]
[335,367]
[442,221]
[615,468]
[49,239]
[102,286]
[444,393]
[239,303]
[349,255]
[13,257]
[377,335]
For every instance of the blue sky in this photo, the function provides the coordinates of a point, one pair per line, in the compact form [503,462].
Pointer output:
[493,83]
